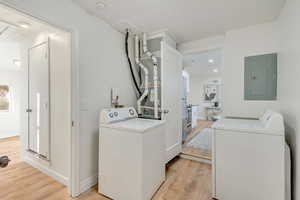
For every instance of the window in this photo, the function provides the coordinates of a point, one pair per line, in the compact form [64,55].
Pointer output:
[5,100]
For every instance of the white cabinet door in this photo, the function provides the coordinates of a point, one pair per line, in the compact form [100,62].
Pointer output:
[171,86]
[38,99]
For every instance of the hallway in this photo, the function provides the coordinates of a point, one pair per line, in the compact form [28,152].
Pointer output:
[197,152]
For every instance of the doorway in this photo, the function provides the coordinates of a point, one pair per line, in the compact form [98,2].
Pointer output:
[202,101]
[35,101]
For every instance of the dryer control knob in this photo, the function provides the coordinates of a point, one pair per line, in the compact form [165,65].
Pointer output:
[131,112]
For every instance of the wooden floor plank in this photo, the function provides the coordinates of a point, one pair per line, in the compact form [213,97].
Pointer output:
[185,180]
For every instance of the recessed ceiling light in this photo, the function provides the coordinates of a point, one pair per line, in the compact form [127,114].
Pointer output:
[24,24]
[215,70]
[211,61]
[100,4]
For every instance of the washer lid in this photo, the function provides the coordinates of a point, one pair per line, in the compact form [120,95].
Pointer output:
[247,126]
[137,125]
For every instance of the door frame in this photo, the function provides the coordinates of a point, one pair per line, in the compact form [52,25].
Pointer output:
[213,44]
[74,179]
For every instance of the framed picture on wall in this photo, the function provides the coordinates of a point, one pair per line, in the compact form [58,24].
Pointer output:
[5,100]
[211,93]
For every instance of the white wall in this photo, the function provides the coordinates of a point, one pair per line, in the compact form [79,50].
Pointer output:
[10,75]
[282,36]
[196,94]
[102,64]
[9,50]
[60,105]
[237,44]
[216,42]
[289,72]
[254,40]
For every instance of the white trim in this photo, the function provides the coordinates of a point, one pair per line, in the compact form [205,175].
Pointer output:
[173,151]
[165,35]
[195,159]
[87,183]
[9,135]
[34,163]
[74,186]
[75,145]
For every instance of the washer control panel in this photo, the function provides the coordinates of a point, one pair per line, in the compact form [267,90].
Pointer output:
[112,115]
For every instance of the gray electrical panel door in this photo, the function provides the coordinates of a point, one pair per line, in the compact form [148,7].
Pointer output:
[260,81]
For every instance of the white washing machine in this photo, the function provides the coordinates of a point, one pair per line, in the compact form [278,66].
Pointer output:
[251,160]
[131,155]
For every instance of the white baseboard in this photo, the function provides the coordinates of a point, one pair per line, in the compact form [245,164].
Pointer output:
[195,159]
[8,135]
[47,170]
[173,151]
[87,183]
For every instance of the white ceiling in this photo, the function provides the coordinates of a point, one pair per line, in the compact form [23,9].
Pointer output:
[186,20]
[15,34]
[197,64]
[11,18]
[6,29]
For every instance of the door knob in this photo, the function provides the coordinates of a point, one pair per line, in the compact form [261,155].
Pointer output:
[28,110]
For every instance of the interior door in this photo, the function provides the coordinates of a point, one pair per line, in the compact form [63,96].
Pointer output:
[38,100]
[171,95]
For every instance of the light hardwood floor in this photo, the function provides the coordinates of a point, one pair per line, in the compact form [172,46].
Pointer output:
[197,152]
[186,180]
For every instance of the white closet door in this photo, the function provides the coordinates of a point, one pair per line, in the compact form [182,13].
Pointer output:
[39,105]
[171,91]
